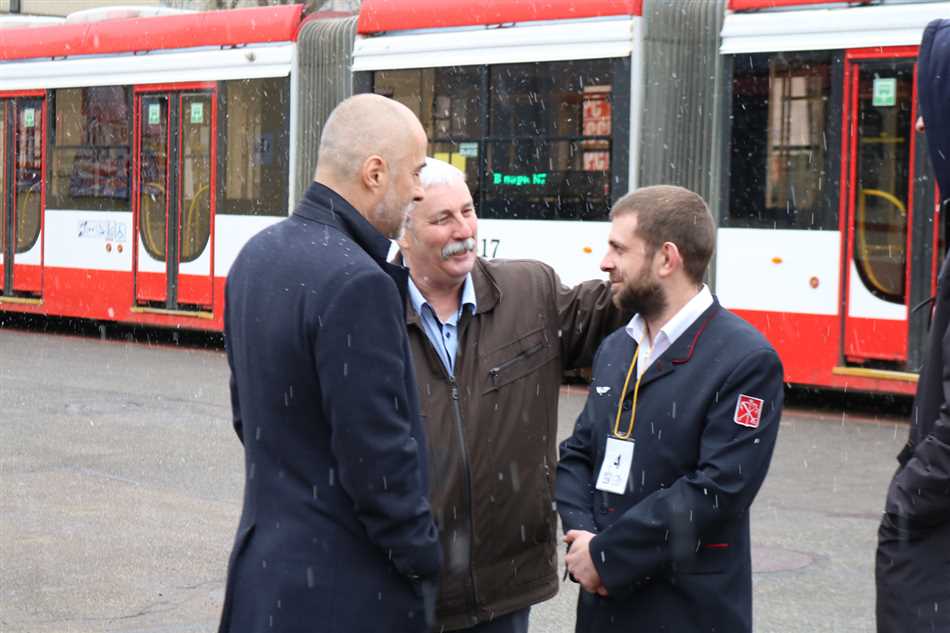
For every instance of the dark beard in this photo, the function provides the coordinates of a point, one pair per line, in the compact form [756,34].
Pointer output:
[646,299]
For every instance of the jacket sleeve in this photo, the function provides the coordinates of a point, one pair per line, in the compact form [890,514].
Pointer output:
[919,495]
[573,491]
[236,419]
[668,526]
[587,315]
[361,361]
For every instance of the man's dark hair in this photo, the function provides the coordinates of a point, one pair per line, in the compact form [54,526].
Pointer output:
[673,214]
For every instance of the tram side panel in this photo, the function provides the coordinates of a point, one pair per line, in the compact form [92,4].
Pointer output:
[828,236]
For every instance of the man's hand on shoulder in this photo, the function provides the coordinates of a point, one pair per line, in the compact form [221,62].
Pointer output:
[579,562]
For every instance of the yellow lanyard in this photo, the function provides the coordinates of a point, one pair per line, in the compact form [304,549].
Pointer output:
[633,409]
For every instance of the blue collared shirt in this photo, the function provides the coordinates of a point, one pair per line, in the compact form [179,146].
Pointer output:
[443,336]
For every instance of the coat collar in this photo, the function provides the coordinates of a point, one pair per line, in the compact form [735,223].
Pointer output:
[681,351]
[487,292]
[324,205]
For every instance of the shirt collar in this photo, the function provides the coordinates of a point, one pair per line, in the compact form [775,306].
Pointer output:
[680,322]
[467,299]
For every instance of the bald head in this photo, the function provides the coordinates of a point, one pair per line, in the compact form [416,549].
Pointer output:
[362,126]
[371,153]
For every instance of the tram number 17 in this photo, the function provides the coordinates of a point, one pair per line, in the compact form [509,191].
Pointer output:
[490,248]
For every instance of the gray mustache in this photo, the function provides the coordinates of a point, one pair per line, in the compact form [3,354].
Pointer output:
[456,248]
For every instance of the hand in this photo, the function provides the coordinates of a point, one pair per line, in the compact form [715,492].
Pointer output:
[579,562]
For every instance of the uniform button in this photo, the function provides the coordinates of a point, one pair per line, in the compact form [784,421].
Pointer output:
[626,405]
[448,335]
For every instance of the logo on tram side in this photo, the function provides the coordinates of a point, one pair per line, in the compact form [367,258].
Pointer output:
[110,230]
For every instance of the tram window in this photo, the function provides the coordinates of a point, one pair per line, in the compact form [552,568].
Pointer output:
[549,141]
[537,145]
[90,149]
[779,161]
[255,151]
[446,100]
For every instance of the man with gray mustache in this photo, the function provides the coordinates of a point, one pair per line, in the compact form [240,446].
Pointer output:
[490,340]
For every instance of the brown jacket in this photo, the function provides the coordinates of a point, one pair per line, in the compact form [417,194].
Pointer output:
[492,432]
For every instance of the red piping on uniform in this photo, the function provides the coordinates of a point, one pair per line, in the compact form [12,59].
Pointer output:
[692,346]
[716,545]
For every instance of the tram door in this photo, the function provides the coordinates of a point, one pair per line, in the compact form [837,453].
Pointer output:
[877,192]
[22,154]
[174,198]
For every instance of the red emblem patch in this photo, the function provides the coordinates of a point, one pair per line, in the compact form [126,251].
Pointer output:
[748,411]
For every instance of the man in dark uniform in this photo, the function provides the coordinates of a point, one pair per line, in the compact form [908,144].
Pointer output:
[655,484]
[336,534]
[913,553]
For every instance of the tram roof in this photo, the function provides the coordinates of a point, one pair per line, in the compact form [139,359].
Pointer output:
[255,25]
[754,5]
[377,16]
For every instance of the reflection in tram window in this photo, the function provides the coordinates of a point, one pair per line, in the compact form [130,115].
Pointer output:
[153,181]
[779,151]
[447,101]
[256,147]
[195,176]
[28,170]
[884,127]
[90,143]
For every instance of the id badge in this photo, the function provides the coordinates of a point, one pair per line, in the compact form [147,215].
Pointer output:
[615,470]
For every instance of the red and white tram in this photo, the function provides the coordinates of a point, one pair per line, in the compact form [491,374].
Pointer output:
[138,155]
[829,235]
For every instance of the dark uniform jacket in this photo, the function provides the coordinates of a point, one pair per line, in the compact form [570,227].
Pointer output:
[673,551]
[492,432]
[913,557]
[335,534]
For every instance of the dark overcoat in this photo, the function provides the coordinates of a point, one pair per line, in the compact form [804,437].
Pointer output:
[913,554]
[336,534]
[674,551]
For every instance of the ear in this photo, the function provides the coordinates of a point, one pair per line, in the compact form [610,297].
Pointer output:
[374,173]
[670,259]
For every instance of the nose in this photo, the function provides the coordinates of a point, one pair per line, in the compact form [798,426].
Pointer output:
[606,265]
[462,230]
[418,193]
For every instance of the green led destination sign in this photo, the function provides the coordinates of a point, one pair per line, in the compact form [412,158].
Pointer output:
[519,180]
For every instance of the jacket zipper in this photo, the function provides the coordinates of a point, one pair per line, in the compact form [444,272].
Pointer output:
[494,371]
[468,486]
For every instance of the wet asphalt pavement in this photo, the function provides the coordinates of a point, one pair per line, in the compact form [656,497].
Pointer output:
[121,482]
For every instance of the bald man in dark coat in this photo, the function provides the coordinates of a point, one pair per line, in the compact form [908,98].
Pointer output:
[336,533]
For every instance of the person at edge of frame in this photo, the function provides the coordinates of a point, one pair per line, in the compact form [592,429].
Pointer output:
[490,341]
[655,484]
[336,533]
[912,565]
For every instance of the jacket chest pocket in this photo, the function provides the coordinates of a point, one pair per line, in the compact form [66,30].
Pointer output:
[524,355]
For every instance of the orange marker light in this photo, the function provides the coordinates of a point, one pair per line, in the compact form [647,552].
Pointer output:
[588,250]
[813,282]
[776,260]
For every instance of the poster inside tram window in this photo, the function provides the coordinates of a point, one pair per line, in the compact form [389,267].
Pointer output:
[596,122]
